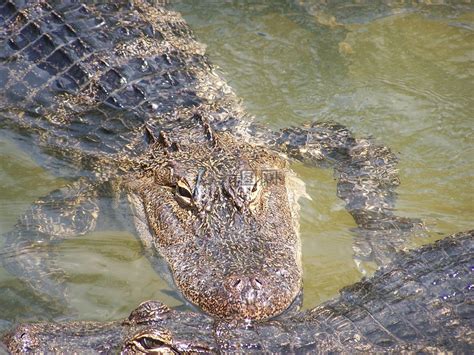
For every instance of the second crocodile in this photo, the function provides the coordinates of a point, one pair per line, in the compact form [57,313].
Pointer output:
[422,301]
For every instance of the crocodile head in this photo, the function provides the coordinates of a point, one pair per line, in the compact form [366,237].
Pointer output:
[223,213]
[154,328]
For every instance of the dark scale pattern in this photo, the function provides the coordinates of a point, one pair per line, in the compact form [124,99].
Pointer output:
[85,65]
[392,296]
[125,95]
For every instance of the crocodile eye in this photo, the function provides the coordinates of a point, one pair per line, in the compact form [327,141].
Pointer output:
[154,345]
[153,340]
[149,343]
[183,192]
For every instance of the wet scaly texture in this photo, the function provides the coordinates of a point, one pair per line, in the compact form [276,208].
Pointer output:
[126,98]
[419,302]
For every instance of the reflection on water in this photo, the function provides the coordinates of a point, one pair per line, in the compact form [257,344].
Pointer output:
[403,75]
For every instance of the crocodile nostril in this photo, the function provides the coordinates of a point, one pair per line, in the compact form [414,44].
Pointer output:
[243,283]
[257,283]
[237,283]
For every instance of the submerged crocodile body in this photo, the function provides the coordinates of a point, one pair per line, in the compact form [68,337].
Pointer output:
[126,100]
[420,302]
[124,97]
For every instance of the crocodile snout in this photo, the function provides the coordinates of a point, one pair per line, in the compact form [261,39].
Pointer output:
[253,296]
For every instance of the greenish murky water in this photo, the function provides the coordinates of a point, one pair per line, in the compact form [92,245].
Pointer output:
[404,79]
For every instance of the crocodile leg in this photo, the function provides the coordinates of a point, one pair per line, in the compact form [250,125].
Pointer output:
[29,249]
[366,176]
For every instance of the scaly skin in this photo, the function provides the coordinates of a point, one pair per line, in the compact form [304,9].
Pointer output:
[420,302]
[123,99]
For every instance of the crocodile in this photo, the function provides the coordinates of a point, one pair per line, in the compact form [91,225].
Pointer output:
[422,301]
[122,101]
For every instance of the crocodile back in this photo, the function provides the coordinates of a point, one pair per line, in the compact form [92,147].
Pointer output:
[99,78]
[422,300]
